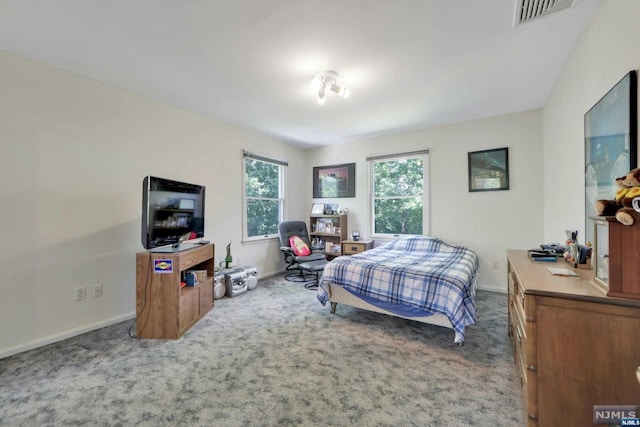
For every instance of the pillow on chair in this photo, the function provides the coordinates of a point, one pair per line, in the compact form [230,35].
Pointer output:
[300,248]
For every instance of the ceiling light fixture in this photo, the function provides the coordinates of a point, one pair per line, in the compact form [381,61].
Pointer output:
[327,80]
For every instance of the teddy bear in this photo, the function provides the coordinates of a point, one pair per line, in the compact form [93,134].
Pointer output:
[620,206]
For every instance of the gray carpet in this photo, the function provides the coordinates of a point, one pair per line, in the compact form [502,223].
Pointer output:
[273,357]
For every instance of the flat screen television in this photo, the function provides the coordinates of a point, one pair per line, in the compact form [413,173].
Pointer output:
[172,213]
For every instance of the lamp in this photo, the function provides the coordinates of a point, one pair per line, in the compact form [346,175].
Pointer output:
[327,80]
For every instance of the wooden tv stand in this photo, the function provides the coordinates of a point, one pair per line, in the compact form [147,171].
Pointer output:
[163,309]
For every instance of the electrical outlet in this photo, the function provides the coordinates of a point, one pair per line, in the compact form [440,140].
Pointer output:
[495,264]
[81,293]
[97,290]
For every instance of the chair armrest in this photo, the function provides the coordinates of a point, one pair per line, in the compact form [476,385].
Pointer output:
[287,249]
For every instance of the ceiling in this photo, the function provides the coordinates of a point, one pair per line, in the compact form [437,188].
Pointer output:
[409,64]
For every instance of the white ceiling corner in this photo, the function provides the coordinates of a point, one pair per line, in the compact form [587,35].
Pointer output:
[409,63]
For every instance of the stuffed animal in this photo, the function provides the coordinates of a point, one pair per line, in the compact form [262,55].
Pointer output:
[620,206]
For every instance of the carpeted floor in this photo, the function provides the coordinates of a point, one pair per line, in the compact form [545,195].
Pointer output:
[273,357]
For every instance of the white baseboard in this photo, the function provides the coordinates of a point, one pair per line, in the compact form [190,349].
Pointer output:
[267,275]
[493,288]
[64,335]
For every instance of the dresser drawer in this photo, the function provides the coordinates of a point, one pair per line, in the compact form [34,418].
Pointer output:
[519,341]
[517,329]
[517,289]
[519,332]
[519,315]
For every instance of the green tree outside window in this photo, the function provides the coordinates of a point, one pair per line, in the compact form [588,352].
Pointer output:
[263,197]
[398,194]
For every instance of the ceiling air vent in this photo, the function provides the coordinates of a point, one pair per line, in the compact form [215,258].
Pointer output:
[526,10]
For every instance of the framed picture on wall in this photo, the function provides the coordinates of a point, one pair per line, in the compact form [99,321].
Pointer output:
[610,144]
[489,170]
[334,181]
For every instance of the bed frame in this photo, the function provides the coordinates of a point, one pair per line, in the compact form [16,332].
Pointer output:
[340,296]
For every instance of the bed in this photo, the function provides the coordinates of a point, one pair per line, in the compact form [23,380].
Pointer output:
[418,278]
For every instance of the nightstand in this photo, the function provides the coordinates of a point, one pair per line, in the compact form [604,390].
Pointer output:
[351,247]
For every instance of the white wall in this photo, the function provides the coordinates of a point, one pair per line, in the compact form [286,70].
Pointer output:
[608,50]
[488,222]
[74,153]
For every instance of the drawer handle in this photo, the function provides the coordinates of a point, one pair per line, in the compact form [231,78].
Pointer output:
[354,248]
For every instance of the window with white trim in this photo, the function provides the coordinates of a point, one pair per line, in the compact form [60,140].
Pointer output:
[263,199]
[399,194]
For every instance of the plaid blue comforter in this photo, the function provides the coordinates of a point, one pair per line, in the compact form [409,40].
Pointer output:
[422,272]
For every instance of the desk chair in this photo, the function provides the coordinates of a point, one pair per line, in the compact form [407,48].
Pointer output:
[304,269]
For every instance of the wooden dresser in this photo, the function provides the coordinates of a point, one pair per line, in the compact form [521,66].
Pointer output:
[574,347]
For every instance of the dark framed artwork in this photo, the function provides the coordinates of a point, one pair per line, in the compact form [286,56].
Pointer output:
[334,181]
[610,140]
[489,170]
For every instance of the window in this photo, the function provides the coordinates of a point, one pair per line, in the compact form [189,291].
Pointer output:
[263,196]
[399,194]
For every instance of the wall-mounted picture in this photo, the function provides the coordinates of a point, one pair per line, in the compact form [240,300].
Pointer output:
[610,135]
[489,170]
[334,181]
